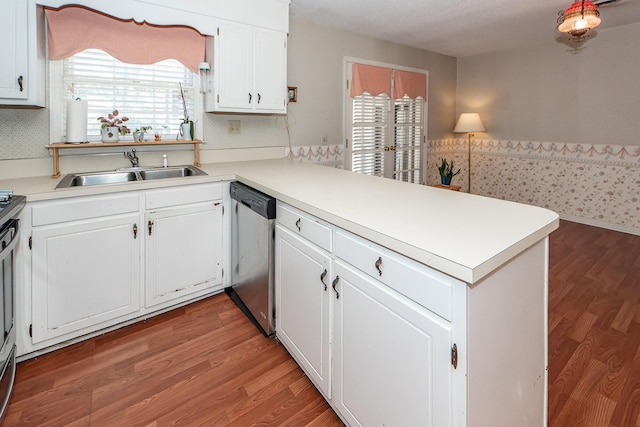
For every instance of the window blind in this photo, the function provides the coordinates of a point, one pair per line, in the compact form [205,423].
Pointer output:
[149,95]
[369,135]
[408,133]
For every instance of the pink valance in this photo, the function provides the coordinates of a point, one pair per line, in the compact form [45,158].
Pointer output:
[408,83]
[367,78]
[74,29]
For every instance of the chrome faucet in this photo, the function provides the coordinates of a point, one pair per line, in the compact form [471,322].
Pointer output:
[131,155]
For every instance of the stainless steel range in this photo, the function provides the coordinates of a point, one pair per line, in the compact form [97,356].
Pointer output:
[10,207]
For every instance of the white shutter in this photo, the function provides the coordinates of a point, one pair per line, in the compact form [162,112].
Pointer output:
[369,135]
[149,95]
[408,135]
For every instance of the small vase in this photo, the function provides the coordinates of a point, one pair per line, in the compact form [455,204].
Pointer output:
[445,180]
[110,134]
[138,136]
[186,130]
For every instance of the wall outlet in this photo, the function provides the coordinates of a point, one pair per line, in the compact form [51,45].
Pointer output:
[233,127]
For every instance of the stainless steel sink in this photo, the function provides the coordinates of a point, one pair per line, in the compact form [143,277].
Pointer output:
[127,175]
[173,172]
[97,178]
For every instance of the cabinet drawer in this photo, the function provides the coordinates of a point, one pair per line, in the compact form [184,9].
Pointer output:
[183,195]
[429,288]
[304,225]
[78,208]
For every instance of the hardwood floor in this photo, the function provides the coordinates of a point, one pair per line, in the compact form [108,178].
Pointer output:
[594,327]
[205,364]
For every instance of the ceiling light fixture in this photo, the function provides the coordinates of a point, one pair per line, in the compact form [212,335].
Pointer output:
[578,19]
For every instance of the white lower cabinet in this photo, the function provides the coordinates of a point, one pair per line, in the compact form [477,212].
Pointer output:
[303,274]
[97,261]
[84,274]
[379,356]
[183,252]
[391,357]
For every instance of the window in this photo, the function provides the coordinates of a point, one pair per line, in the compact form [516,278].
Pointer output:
[386,134]
[149,95]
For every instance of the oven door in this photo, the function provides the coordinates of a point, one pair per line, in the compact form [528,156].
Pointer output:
[8,240]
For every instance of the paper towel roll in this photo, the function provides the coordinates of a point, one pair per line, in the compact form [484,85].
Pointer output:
[77,111]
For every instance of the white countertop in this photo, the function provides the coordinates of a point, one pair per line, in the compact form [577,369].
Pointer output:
[463,235]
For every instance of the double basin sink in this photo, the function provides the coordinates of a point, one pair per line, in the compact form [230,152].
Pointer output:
[127,175]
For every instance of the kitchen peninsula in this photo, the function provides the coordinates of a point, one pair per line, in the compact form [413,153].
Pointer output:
[474,267]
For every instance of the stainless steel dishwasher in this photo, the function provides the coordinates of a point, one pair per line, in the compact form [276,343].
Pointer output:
[252,255]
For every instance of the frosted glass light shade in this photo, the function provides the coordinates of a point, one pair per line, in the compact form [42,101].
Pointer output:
[469,122]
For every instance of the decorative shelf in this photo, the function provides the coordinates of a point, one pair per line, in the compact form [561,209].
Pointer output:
[56,146]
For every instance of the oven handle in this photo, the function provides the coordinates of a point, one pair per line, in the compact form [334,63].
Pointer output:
[11,224]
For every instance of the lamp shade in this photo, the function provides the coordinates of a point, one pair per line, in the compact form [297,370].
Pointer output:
[469,122]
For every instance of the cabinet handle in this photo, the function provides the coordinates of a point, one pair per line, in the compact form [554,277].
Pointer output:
[20,79]
[298,224]
[259,98]
[135,231]
[250,97]
[334,284]
[378,265]
[454,356]
[150,225]
[322,276]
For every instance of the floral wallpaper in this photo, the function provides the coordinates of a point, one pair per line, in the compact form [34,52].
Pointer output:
[598,184]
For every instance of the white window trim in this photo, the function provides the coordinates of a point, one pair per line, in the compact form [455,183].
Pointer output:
[56,103]
[346,108]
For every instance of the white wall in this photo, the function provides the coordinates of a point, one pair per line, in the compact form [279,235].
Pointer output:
[551,92]
[316,58]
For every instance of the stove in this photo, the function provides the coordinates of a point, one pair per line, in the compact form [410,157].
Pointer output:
[10,205]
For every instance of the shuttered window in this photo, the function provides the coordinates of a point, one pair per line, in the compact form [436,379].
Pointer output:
[149,95]
[408,136]
[369,135]
[387,134]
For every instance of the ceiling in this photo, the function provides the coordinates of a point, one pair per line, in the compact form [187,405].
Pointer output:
[456,27]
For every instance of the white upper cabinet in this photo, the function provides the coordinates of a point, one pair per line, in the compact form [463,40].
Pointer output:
[22,68]
[249,70]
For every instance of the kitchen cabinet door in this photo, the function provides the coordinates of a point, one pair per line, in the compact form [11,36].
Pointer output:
[85,275]
[392,357]
[303,274]
[22,67]
[183,252]
[14,48]
[249,69]
[270,71]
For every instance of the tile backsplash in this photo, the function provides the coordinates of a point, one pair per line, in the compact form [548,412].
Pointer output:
[24,133]
[592,183]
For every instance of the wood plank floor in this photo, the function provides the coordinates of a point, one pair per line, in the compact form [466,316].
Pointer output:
[205,364]
[594,327]
[201,365]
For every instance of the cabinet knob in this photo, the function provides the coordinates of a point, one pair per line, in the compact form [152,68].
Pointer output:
[259,98]
[378,265]
[20,80]
[150,225]
[298,224]
[334,284]
[135,231]
[322,276]
[250,98]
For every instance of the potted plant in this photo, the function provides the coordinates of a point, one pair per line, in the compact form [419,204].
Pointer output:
[446,172]
[113,126]
[187,127]
[138,134]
